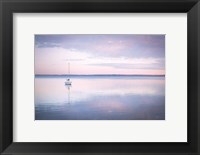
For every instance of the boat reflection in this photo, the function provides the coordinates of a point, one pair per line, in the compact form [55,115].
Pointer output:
[68,93]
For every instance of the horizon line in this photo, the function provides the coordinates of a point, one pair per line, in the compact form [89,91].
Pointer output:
[100,75]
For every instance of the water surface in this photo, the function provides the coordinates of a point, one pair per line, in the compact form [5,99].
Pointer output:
[100,98]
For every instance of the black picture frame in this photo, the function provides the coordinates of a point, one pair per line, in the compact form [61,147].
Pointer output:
[8,7]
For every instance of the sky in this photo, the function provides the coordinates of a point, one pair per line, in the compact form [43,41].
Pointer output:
[100,54]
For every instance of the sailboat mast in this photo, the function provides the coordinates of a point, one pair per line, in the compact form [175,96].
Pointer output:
[68,68]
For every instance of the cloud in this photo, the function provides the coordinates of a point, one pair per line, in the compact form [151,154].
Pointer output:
[107,45]
[70,59]
[47,45]
[129,66]
[132,63]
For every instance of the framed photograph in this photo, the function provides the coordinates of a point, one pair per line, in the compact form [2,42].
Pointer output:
[104,77]
[99,77]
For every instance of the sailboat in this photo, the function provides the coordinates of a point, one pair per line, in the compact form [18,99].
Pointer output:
[68,82]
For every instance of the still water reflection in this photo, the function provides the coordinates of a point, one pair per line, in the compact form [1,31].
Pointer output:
[100,98]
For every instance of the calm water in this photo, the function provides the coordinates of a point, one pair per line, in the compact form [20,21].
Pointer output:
[100,98]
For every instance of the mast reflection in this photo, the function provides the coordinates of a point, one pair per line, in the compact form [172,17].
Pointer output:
[68,92]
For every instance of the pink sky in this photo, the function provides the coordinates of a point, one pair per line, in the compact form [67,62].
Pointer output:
[100,54]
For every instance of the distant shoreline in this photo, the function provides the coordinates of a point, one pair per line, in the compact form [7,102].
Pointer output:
[97,75]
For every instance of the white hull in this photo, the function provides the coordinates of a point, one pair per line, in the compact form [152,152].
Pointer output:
[68,82]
